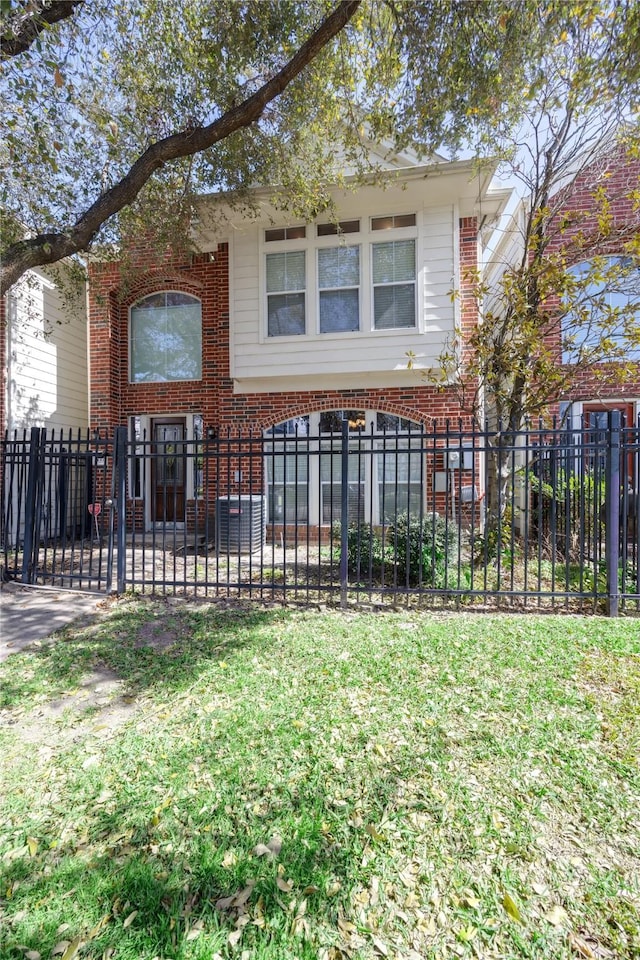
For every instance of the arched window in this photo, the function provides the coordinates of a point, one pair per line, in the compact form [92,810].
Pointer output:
[604,310]
[165,338]
[304,467]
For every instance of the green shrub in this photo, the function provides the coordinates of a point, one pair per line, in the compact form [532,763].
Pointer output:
[423,550]
[414,552]
[365,552]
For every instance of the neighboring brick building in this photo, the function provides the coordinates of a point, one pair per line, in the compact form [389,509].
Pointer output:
[282,322]
[609,186]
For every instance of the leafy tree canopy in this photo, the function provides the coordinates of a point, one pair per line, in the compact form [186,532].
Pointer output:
[118,112]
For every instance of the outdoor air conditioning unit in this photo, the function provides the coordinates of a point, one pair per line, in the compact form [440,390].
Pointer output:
[240,523]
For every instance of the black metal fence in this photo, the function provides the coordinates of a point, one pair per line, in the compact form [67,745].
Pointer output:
[545,517]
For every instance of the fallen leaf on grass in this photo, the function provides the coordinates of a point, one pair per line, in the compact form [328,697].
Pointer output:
[581,947]
[195,930]
[32,955]
[72,949]
[130,919]
[270,849]
[380,947]
[556,916]
[236,899]
[511,907]
[33,845]
[99,926]
[234,937]
[374,833]
[285,885]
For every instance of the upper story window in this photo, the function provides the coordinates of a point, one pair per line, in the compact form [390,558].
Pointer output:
[334,229]
[286,284]
[165,337]
[394,284]
[329,284]
[339,287]
[393,222]
[285,233]
[605,309]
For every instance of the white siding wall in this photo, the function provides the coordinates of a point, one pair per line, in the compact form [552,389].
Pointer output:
[47,381]
[257,360]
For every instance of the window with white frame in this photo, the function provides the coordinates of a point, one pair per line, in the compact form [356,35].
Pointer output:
[394,284]
[286,285]
[303,468]
[344,278]
[165,338]
[339,289]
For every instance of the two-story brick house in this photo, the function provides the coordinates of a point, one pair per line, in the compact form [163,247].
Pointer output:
[277,324]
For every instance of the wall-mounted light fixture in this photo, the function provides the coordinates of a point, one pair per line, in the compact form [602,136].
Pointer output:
[212,433]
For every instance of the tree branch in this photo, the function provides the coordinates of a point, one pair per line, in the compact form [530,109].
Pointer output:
[51,247]
[21,29]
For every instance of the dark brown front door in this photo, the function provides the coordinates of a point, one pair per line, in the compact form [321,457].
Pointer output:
[168,470]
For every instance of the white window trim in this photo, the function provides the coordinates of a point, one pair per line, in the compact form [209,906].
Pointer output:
[130,339]
[314,476]
[145,435]
[365,239]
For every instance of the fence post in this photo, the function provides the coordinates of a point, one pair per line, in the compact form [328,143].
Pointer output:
[121,505]
[612,513]
[33,485]
[344,514]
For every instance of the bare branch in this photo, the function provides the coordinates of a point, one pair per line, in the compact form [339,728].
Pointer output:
[21,29]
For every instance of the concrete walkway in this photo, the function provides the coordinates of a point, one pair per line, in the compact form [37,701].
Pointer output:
[28,614]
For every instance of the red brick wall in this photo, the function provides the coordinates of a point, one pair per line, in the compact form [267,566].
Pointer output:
[615,178]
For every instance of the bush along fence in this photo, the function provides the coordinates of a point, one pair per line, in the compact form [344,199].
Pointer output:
[545,517]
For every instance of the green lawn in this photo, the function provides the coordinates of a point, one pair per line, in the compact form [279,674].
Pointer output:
[187,782]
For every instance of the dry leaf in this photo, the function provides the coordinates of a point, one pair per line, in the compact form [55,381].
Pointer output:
[234,938]
[60,948]
[32,844]
[130,919]
[374,834]
[275,845]
[510,906]
[32,955]
[285,885]
[99,926]
[581,948]
[72,949]
[58,79]
[380,947]
[262,850]
[230,859]
[557,915]
[224,903]
[241,898]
